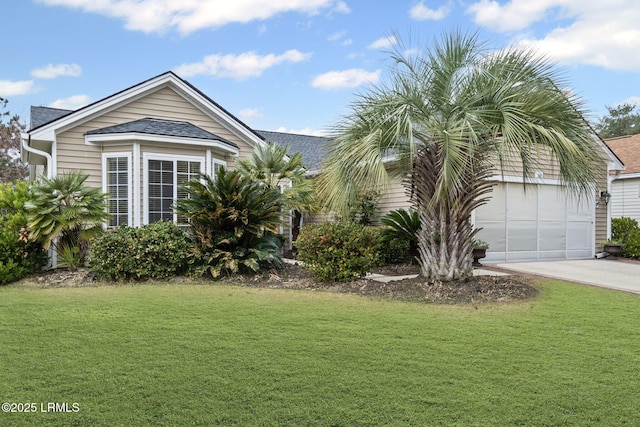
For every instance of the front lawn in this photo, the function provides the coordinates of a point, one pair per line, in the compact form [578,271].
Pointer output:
[223,355]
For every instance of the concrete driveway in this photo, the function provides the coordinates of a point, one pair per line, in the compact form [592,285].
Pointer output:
[618,274]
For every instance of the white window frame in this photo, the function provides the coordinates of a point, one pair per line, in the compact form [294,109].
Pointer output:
[218,162]
[146,157]
[105,181]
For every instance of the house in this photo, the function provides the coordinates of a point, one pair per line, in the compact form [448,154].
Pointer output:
[140,144]
[625,185]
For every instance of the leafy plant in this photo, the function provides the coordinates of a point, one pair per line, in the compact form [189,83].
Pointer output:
[233,223]
[480,244]
[622,227]
[339,251]
[631,246]
[401,226]
[272,165]
[66,213]
[155,251]
[19,255]
[363,207]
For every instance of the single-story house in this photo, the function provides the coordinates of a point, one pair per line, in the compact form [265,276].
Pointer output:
[625,184]
[141,143]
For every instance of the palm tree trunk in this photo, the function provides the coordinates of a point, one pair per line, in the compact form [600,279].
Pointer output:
[445,239]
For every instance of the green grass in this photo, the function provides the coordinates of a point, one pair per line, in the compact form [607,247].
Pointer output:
[181,355]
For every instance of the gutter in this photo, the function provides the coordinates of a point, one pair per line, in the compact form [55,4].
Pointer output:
[26,144]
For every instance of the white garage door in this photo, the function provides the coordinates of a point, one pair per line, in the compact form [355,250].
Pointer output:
[536,222]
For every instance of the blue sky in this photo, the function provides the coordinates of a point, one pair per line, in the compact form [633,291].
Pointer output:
[293,65]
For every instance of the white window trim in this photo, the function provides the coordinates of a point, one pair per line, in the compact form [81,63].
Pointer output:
[105,189]
[145,176]
[215,162]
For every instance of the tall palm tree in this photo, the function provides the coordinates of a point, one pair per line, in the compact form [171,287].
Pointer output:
[447,119]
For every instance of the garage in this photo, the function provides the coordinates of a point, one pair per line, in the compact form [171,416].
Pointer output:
[536,222]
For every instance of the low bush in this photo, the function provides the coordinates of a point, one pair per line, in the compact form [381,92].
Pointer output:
[623,227]
[339,251]
[155,251]
[19,256]
[631,245]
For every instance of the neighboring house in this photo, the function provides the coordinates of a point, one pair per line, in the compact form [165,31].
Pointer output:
[140,144]
[625,185]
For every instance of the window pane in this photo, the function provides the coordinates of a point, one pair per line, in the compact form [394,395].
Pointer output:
[117,191]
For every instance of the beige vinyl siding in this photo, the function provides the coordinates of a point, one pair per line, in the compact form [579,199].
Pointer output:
[625,198]
[393,197]
[165,104]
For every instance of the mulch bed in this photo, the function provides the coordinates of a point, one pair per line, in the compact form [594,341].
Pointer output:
[479,289]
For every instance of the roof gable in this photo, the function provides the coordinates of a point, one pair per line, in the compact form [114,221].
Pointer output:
[627,148]
[47,121]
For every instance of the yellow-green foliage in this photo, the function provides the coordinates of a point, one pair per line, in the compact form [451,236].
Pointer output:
[339,251]
[18,255]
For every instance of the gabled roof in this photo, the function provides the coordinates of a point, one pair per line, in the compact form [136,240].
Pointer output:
[151,126]
[627,148]
[312,148]
[48,120]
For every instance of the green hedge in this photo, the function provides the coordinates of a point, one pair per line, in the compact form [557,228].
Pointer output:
[339,251]
[155,251]
[19,256]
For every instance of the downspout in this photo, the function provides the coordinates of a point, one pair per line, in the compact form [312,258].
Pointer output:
[26,144]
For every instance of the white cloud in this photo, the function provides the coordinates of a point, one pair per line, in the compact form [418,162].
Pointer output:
[304,131]
[420,12]
[71,103]
[340,36]
[345,79]
[602,33]
[187,16]
[384,42]
[239,67]
[336,36]
[10,88]
[248,114]
[514,15]
[52,71]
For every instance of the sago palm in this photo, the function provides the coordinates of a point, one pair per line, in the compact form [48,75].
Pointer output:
[233,221]
[448,118]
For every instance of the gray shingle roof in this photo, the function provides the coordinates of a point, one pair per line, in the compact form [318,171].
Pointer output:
[44,115]
[162,127]
[312,148]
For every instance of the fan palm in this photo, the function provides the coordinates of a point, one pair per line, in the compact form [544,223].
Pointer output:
[272,165]
[66,213]
[447,119]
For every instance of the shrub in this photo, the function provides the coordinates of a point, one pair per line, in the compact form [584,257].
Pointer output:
[622,227]
[400,235]
[155,251]
[233,223]
[631,246]
[19,256]
[339,251]
[65,213]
